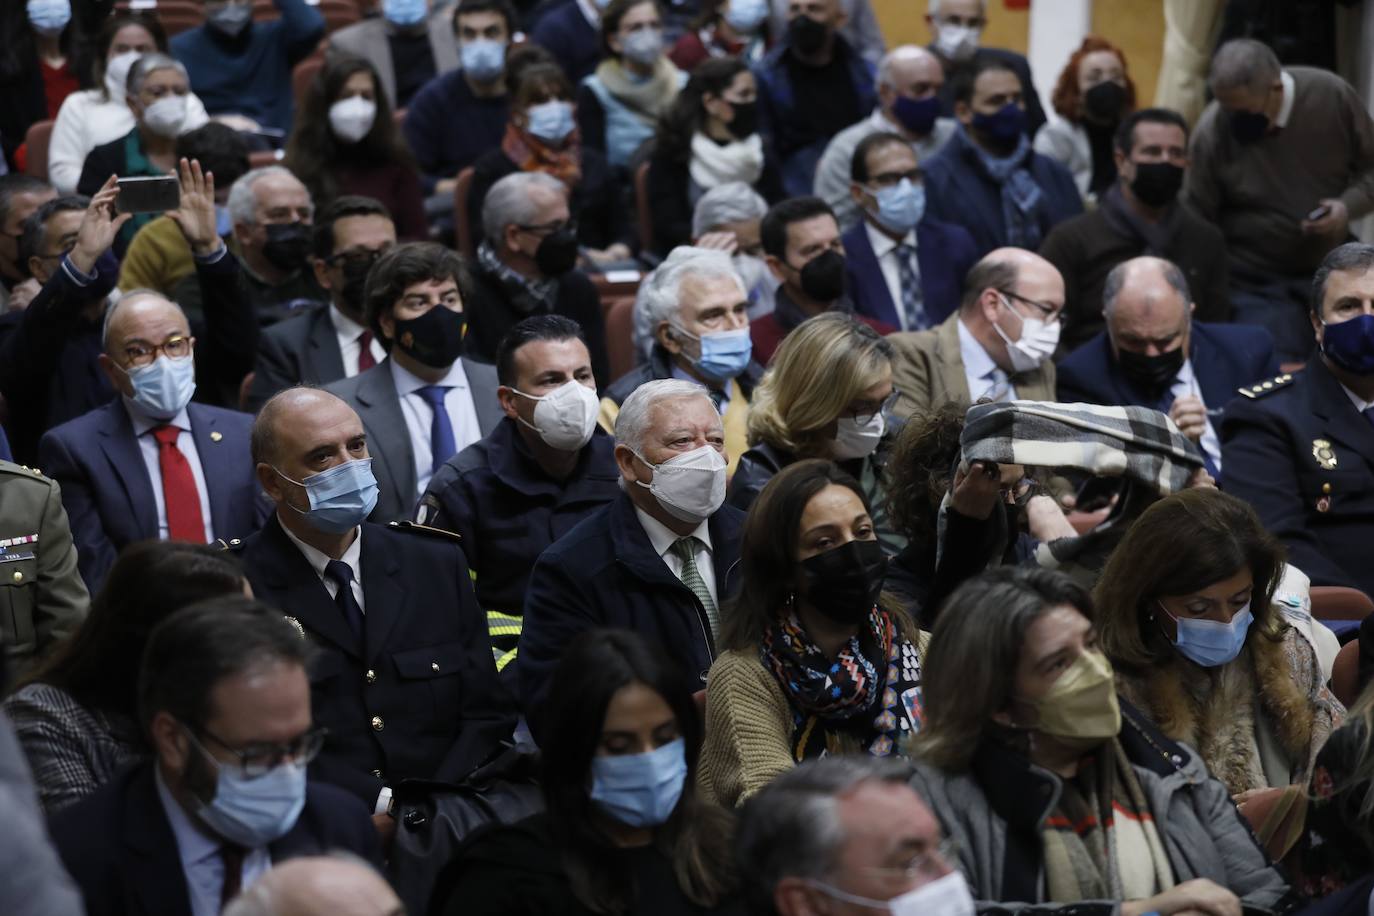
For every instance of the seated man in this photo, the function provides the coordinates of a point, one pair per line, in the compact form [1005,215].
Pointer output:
[727,218]
[404,679]
[695,309]
[1297,447]
[1138,215]
[802,247]
[987,178]
[330,885]
[48,363]
[655,560]
[909,82]
[1154,355]
[329,342]
[1282,161]
[812,85]
[422,404]
[462,113]
[997,346]
[903,268]
[869,841]
[243,67]
[20,195]
[525,266]
[543,469]
[225,707]
[408,45]
[151,464]
[956,26]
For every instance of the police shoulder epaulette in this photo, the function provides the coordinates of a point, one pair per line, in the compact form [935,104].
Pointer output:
[1268,386]
[230,544]
[416,528]
[23,470]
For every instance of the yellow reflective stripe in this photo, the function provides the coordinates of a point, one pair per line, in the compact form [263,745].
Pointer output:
[472,574]
[505,658]
[500,624]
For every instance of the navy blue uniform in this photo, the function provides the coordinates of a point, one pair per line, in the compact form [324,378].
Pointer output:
[507,511]
[420,698]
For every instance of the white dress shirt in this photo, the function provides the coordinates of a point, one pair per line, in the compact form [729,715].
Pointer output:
[419,416]
[1286,106]
[350,348]
[985,378]
[1186,383]
[889,262]
[662,538]
[186,444]
[201,862]
[318,560]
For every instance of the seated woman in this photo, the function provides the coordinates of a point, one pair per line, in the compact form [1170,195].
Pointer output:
[826,395]
[94,117]
[346,142]
[542,136]
[811,660]
[1057,795]
[1187,617]
[623,830]
[707,139]
[619,105]
[76,716]
[37,67]
[725,28]
[1093,95]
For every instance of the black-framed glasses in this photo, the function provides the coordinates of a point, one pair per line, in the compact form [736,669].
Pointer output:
[260,759]
[1048,313]
[549,228]
[356,258]
[141,354]
[865,414]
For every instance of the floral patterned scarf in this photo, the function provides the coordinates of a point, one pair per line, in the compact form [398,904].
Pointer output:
[531,155]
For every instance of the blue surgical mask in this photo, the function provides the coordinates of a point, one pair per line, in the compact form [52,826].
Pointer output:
[917,115]
[404,12]
[746,15]
[901,206]
[50,17]
[484,60]
[643,47]
[640,790]
[164,387]
[1350,344]
[341,497]
[231,19]
[1005,125]
[258,811]
[1209,643]
[551,121]
[724,354]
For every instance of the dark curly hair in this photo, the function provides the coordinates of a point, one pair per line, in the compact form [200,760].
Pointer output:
[918,473]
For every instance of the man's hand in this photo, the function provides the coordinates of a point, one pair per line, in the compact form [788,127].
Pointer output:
[386,829]
[23,294]
[1200,478]
[1336,222]
[1196,896]
[1190,415]
[99,227]
[718,241]
[196,215]
[1046,520]
[976,491]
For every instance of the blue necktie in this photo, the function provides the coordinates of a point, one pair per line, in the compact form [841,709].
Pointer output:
[910,281]
[442,445]
[342,574]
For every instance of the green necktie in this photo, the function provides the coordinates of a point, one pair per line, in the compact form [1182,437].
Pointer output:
[685,550]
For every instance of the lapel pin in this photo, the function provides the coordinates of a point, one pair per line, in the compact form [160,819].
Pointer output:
[216,436]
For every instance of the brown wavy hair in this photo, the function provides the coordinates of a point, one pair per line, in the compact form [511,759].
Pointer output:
[1066,98]
[918,474]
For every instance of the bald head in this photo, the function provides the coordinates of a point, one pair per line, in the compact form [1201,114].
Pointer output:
[1016,270]
[142,315]
[319,886]
[1147,306]
[910,72]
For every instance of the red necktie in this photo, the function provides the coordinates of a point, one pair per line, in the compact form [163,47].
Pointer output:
[180,497]
[365,360]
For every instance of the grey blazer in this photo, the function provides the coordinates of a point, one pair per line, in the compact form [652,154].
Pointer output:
[373,395]
[367,39]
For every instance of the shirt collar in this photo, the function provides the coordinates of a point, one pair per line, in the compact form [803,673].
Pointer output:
[408,383]
[194,843]
[143,423]
[977,362]
[882,243]
[318,560]
[1286,106]
[663,537]
[1360,404]
[343,325]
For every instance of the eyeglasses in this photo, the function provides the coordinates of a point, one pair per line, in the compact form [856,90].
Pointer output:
[1048,313]
[549,228]
[892,179]
[865,414]
[142,354]
[931,864]
[260,759]
[1022,492]
[357,258]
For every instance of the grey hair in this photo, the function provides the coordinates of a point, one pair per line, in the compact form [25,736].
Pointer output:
[732,202]
[242,205]
[898,55]
[632,423]
[934,6]
[1116,282]
[260,899]
[791,828]
[509,202]
[660,296]
[125,297]
[1243,63]
[1350,256]
[149,64]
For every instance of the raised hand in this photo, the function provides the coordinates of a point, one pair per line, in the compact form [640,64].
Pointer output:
[196,215]
[99,227]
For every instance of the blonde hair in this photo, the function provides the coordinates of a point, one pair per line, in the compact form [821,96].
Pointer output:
[821,366]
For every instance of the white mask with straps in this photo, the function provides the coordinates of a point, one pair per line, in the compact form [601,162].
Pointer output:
[565,418]
[691,486]
[1039,340]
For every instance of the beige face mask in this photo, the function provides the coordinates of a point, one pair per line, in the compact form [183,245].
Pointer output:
[1081,707]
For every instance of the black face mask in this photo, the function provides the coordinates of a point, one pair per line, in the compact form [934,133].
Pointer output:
[1104,101]
[1152,374]
[354,282]
[1249,126]
[435,339]
[807,35]
[746,121]
[1157,183]
[288,245]
[557,252]
[844,583]
[822,278]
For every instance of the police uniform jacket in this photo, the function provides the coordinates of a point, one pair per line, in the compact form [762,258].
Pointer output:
[1297,450]
[419,697]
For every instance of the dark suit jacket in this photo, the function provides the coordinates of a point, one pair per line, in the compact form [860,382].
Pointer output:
[1224,357]
[425,673]
[303,349]
[944,254]
[373,395]
[107,492]
[120,849]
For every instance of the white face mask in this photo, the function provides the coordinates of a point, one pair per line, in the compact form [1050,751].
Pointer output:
[352,118]
[117,73]
[691,486]
[166,116]
[945,896]
[1038,340]
[957,42]
[855,440]
[565,418]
